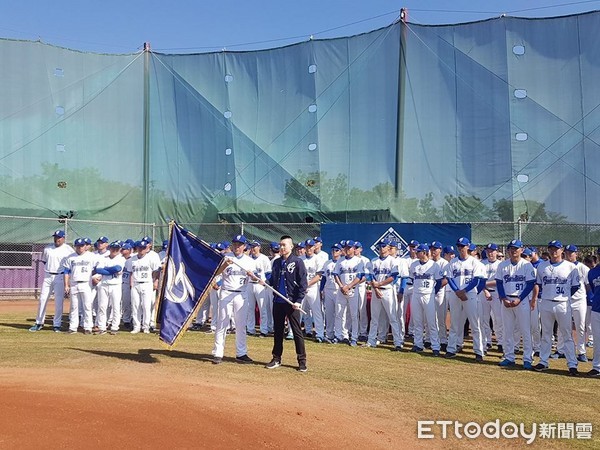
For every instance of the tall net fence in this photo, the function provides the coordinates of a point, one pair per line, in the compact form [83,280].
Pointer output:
[22,268]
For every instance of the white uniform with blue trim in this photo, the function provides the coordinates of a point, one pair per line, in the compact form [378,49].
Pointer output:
[347,269]
[556,281]
[79,269]
[387,304]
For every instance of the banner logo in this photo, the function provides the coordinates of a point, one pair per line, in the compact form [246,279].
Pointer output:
[393,236]
[179,287]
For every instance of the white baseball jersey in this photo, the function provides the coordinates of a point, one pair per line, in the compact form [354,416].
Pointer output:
[115,278]
[322,256]
[347,269]
[403,272]
[463,271]
[263,266]
[443,263]
[313,268]
[234,277]
[141,268]
[490,269]
[557,279]
[583,271]
[126,273]
[54,257]
[424,276]
[80,267]
[515,276]
[383,268]
[328,268]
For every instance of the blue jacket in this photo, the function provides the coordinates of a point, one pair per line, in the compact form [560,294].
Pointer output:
[294,271]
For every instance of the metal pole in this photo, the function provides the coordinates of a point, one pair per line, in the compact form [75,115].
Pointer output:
[146,158]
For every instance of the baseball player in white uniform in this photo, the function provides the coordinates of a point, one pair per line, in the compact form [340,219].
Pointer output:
[330,290]
[578,305]
[126,251]
[78,269]
[593,286]
[144,280]
[427,279]
[463,276]
[257,292]
[515,278]
[53,258]
[312,299]
[363,318]
[233,301]
[492,306]
[382,274]
[348,272]
[558,281]
[110,289]
[441,304]
[411,257]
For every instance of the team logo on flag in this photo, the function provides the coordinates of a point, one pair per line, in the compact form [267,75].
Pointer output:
[178,288]
[393,236]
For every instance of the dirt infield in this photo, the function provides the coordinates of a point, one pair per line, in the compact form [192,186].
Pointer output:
[131,405]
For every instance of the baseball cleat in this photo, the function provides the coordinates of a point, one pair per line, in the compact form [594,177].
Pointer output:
[506,363]
[436,353]
[593,373]
[135,331]
[540,367]
[478,358]
[244,359]
[527,365]
[302,367]
[573,372]
[36,327]
[416,349]
[582,357]
[88,332]
[450,355]
[56,329]
[217,360]
[353,343]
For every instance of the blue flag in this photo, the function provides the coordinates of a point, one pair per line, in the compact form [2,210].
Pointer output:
[190,269]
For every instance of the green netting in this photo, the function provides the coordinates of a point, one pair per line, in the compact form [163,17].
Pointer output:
[486,121]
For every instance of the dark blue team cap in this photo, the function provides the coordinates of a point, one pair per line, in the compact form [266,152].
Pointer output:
[516,243]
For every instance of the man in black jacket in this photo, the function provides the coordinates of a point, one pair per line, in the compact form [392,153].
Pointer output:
[288,277]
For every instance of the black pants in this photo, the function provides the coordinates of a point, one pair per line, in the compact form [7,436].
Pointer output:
[280,312]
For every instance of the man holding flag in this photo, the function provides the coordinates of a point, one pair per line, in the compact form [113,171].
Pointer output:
[233,301]
[289,279]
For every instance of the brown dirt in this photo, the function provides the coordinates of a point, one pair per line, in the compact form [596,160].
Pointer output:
[137,407]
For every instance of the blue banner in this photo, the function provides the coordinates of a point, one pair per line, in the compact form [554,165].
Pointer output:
[190,269]
[369,234]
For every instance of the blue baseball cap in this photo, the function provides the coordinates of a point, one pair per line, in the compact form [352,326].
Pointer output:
[126,246]
[240,238]
[527,252]
[436,244]
[87,240]
[571,248]
[384,243]
[79,242]
[463,242]
[115,244]
[102,239]
[274,244]
[556,244]
[59,234]
[491,246]
[222,245]
[472,247]
[422,248]
[130,242]
[357,244]
[349,243]
[516,243]
[533,249]
[413,243]
[309,242]
[254,244]
[336,246]
[301,244]
[148,239]
[318,239]
[343,242]
[141,244]
[165,244]
[449,249]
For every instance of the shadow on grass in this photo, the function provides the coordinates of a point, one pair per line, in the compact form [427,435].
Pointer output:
[148,356]
[24,326]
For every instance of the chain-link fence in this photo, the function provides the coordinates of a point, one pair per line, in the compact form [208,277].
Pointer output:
[22,271]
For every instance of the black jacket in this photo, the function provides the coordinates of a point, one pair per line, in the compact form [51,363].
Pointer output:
[294,272]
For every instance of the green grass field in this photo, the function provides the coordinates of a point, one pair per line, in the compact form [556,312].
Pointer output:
[404,385]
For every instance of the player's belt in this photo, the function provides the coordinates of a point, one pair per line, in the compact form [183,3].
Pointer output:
[142,282]
[53,273]
[491,290]
[229,290]
[555,301]
[513,296]
[86,281]
[255,282]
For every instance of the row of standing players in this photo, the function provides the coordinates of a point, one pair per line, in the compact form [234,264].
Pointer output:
[117,281]
[335,297]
